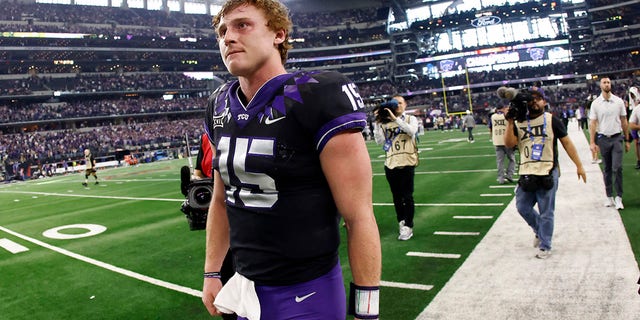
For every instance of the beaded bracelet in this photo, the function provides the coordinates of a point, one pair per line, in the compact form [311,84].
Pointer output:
[216,275]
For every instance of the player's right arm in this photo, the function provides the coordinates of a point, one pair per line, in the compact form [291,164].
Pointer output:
[217,243]
[347,166]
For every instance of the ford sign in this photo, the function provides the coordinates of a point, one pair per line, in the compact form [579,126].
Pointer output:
[485,21]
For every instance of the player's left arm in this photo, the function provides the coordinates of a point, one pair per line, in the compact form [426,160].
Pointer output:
[626,133]
[347,166]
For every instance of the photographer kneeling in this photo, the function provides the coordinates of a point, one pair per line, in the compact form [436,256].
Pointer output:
[536,133]
[397,132]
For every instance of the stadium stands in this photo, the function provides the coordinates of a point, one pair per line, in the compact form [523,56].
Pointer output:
[94,73]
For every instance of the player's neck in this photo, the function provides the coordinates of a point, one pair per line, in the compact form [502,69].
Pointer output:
[252,83]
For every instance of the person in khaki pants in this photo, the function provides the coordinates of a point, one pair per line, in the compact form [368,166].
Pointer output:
[497,127]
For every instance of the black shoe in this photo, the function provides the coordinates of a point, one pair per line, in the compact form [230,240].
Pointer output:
[84,184]
[97,182]
[509,179]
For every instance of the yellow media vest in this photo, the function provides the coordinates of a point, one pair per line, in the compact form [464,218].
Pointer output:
[498,128]
[529,166]
[403,151]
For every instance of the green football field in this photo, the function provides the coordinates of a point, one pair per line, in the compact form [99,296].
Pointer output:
[123,250]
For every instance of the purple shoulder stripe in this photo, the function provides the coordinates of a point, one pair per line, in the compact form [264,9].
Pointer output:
[356,120]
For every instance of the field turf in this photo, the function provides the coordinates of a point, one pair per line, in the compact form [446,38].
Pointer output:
[147,264]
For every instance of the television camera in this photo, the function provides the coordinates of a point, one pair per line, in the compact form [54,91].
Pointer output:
[382,115]
[198,194]
[518,102]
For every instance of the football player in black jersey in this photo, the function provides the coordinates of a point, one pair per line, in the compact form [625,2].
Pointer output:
[290,161]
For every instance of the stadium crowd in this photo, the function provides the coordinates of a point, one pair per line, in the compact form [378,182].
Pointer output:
[144,123]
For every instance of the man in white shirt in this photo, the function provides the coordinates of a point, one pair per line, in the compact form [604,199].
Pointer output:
[608,128]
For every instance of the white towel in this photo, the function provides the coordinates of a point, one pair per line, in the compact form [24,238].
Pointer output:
[239,296]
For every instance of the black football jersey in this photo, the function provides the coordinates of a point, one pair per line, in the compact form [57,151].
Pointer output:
[282,216]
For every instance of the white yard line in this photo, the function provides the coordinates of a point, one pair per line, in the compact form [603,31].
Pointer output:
[447,204]
[401,285]
[450,233]
[434,255]
[473,217]
[107,266]
[90,196]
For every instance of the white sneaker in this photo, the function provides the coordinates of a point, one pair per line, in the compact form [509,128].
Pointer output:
[543,254]
[610,202]
[405,233]
[618,203]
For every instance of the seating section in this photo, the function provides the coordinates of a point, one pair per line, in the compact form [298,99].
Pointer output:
[113,78]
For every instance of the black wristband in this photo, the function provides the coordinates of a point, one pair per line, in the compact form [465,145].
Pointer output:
[216,275]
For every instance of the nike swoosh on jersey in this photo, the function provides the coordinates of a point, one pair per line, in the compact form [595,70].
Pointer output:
[300,299]
[270,121]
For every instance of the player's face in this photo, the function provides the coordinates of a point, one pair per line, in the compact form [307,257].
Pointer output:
[605,85]
[246,43]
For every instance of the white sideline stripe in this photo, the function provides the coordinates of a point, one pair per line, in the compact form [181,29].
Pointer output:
[139,180]
[459,157]
[448,204]
[107,266]
[47,182]
[473,217]
[434,255]
[383,156]
[401,285]
[503,186]
[448,233]
[106,181]
[91,196]
[12,246]
[496,194]
[446,172]
[181,200]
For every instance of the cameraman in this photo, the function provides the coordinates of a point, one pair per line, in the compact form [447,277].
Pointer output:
[536,136]
[203,170]
[397,132]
